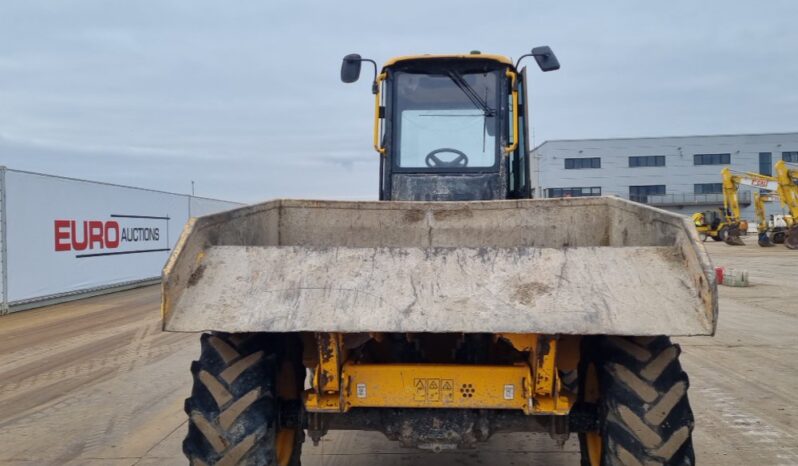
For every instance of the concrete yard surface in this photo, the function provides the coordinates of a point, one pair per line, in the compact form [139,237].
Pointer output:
[96,382]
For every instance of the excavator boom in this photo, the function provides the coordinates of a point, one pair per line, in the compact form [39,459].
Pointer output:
[731,207]
[787,177]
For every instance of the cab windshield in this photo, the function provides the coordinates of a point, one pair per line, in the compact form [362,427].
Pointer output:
[446,120]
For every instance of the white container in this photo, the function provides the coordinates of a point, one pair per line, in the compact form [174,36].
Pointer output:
[733,277]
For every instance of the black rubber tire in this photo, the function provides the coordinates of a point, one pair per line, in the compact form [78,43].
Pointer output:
[792,241]
[791,238]
[645,416]
[721,234]
[233,412]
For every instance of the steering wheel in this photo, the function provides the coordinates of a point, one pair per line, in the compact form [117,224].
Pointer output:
[433,161]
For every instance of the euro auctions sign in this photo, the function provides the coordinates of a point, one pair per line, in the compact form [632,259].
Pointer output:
[65,235]
[118,234]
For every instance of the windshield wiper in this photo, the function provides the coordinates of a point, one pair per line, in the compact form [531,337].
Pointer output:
[471,93]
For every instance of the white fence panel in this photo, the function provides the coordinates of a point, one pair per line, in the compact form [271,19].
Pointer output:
[65,235]
[3,262]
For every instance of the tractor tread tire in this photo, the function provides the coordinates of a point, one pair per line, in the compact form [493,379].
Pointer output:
[232,410]
[723,233]
[644,398]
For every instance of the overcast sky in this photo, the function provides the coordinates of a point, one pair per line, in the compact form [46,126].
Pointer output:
[244,97]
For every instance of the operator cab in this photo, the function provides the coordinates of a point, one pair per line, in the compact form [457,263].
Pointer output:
[451,127]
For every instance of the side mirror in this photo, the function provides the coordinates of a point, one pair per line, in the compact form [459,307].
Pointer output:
[546,59]
[350,68]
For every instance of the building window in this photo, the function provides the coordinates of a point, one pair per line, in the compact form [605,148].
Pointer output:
[574,192]
[766,163]
[790,157]
[647,161]
[589,162]
[641,193]
[711,159]
[708,188]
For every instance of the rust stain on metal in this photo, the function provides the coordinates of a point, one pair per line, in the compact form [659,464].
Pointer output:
[325,377]
[543,349]
[325,345]
[195,276]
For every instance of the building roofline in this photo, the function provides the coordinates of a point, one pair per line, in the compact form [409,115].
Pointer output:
[665,137]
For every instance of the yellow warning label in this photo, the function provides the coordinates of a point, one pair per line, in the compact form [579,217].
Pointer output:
[420,393]
[433,390]
[447,390]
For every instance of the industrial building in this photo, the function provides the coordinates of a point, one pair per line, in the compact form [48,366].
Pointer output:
[678,173]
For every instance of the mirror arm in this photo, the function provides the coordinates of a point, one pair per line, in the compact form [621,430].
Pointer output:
[374,82]
[521,58]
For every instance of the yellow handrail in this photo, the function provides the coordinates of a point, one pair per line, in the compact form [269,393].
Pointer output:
[512,75]
[377,97]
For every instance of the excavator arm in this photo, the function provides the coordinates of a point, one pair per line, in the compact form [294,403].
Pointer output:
[787,179]
[731,207]
[783,186]
[759,207]
[761,217]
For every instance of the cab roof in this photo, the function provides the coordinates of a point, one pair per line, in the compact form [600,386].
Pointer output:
[474,56]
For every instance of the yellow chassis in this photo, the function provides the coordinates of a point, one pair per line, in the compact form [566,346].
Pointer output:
[533,387]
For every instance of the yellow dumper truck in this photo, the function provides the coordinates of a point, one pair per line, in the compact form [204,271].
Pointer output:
[454,308]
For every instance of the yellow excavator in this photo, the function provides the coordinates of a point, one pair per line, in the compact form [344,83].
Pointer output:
[787,177]
[731,207]
[770,232]
[784,186]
